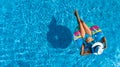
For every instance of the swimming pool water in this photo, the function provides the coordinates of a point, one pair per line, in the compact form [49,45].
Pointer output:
[38,33]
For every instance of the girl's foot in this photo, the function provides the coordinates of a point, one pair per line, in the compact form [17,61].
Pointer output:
[76,13]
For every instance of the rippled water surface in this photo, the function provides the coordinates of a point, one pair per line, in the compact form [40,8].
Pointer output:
[39,33]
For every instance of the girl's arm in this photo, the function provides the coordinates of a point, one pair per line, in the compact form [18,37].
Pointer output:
[83,52]
[105,42]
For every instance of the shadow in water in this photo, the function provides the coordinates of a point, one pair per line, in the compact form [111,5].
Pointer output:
[59,36]
[23,64]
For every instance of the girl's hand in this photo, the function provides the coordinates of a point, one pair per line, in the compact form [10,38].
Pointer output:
[89,39]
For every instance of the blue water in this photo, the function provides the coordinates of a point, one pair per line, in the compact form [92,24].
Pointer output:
[38,33]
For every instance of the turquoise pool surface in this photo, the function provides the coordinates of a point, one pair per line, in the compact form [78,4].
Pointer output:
[39,33]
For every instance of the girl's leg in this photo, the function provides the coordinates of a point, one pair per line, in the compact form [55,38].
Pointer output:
[87,29]
[80,25]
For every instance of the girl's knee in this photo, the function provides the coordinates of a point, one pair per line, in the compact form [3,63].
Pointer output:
[83,35]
